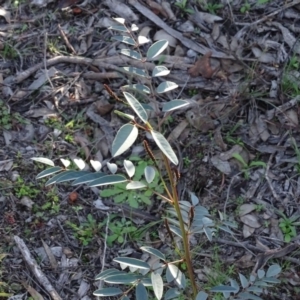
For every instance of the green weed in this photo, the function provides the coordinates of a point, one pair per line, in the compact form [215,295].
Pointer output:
[7,119]
[245,7]
[25,189]
[290,80]
[246,167]
[288,226]
[135,198]
[119,230]
[182,5]
[86,231]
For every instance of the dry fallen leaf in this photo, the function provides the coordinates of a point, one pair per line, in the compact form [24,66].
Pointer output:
[250,220]
[167,7]
[157,8]
[200,121]
[246,209]
[202,67]
[104,108]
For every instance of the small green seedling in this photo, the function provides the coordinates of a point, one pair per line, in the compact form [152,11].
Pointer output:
[182,5]
[86,231]
[290,82]
[245,7]
[7,119]
[24,189]
[246,167]
[213,7]
[135,198]
[119,231]
[229,136]
[186,162]
[288,226]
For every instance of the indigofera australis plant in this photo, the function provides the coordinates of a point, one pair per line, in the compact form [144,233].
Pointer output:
[164,276]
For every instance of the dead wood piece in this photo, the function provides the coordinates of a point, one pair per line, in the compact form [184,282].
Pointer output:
[36,270]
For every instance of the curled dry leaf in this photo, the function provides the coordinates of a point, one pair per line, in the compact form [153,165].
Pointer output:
[6,165]
[201,17]
[247,231]
[167,7]
[83,142]
[103,108]
[231,66]
[262,128]
[246,209]
[292,118]
[251,220]
[219,139]
[73,197]
[263,57]
[186,27]
[202,67]
[157,8]
[227,155]
[222,165]
[245,261]
[26,201]
[177,131]
[121,10]
[200,121]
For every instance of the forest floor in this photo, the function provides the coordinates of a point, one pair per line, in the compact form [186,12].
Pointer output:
[235,63]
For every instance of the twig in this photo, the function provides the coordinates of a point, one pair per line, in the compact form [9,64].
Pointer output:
[36,270]
[104,250]
[65,38]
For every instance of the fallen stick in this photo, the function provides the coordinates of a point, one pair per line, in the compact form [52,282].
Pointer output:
[36,270]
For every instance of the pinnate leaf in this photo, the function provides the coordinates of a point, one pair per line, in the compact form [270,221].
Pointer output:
[174,104]
[44,160]
[166,86]
[140,264]
[124,139]
[141,292]
[149,174]
[48,172]
[108,179]
[106,292]
[158,285]
[164,146]
[201,296]
[154,252]
[157,48]
[136,106]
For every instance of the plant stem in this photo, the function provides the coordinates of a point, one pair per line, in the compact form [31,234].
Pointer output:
[186,247]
